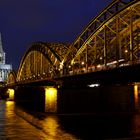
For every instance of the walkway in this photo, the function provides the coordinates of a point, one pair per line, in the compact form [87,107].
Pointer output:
[14,127]
[65,127]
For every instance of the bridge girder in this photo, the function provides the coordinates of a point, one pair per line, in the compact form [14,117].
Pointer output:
[41,60]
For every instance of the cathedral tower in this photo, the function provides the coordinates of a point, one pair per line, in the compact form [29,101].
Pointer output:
[2,53]
[4,68]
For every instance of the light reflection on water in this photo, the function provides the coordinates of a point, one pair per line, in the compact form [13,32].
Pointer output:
[64,127]
[47,124]
[85,127]
[14,127]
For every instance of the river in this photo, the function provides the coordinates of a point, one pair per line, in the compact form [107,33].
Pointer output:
[16,124]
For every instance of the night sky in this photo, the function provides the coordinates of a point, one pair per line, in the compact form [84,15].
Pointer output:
[25,21]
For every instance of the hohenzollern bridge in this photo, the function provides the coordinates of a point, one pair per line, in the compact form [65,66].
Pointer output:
[111,40]
[106,52]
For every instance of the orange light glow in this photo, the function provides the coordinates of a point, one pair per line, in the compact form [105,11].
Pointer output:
[136,96]
[50,99]
[11,93]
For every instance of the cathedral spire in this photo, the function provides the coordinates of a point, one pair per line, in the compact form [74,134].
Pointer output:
[2,53]
[1,49]
[4,68]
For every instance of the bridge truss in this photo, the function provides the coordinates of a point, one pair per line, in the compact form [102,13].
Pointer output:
[112,38]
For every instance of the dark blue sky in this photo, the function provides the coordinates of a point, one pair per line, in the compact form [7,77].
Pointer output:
[25,21]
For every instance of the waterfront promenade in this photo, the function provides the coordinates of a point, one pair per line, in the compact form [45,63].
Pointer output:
[13,126]
[16,124]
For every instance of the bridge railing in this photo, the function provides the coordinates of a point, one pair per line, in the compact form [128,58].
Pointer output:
[90,69]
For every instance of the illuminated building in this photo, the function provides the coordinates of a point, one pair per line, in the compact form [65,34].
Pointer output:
[4,68]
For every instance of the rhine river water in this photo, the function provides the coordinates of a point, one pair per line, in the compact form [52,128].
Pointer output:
[16,124]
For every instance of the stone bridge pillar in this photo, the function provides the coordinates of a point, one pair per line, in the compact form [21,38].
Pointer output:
[42,99]
[30,97]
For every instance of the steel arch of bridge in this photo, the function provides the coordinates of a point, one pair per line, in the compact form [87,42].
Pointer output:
[42,60]
[113,37]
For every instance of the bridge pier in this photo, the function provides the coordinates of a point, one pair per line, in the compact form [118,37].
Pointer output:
[118,98]
[31,98]
[106,98]
[11,94]
[42,99]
